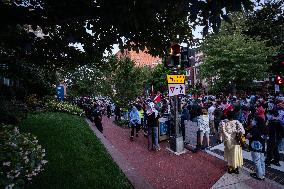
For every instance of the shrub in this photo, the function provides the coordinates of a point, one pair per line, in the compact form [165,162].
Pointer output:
[12,112]
[21,157]
[33,102]
[64,107]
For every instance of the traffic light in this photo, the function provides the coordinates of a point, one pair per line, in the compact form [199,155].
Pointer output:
[173,59]
[278,80]
[187,57]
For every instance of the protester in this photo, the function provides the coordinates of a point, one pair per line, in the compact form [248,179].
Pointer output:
[204,129]
[97,117]
[117,113]
[232,151]
[275,133]
[108,111]
[152,121]
[257,135]
[135,122]
[184,117]
[211,110]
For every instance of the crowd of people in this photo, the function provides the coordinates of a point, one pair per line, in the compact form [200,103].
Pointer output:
[259,118]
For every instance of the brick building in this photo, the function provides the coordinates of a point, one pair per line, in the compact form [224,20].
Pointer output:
[141,58]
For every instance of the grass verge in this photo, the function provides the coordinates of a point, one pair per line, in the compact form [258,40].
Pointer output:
[76,157]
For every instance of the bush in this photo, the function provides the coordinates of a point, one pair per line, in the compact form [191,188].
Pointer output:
[63,107]
[21,157]
[33,102]
[12,112]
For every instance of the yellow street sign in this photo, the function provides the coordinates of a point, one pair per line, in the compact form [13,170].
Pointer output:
[177,79]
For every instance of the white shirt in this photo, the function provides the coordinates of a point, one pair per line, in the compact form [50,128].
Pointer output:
[211,112]
[203,123]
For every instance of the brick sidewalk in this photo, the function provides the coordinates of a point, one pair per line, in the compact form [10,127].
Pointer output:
[162,169]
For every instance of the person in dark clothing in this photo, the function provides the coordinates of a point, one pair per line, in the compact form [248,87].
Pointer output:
[257,135]
[275,133]
[97,118]
[117,113]
[218,114]
[152,122]
[184,116]
[108,111]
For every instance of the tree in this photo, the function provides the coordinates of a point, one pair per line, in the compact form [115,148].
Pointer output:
[127,82]
[267,22]
[159,78]
[41,31]
[234,59]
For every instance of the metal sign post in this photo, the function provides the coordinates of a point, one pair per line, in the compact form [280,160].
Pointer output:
[176,87]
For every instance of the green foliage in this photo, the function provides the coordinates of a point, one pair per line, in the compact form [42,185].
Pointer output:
[267,23]
[76,157]
[59,24]
[63,107]
[232,58]
[159,78]
[127,82]
[12,112]
[21,157]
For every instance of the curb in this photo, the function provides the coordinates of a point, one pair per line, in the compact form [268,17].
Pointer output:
[137,181]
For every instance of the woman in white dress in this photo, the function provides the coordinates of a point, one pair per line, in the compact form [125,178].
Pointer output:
[233,151]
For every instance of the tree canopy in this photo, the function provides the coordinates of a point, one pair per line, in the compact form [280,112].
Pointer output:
[234,58]
[41,31]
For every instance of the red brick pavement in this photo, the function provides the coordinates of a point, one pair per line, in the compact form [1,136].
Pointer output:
[163,169]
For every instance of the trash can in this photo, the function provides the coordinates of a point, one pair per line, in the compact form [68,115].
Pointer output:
[163,129]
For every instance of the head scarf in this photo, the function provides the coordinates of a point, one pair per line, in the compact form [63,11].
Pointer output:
[151,109]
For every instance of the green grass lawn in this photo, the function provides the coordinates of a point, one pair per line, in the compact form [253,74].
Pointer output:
[76,157]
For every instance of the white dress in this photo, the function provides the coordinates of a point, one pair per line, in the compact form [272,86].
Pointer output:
[233,151]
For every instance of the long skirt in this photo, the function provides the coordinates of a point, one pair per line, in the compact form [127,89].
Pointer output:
[233,155]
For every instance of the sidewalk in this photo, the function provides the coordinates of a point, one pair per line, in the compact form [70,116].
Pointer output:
[149,169]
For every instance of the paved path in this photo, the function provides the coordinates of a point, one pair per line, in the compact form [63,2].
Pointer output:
[162,169]
[149,169]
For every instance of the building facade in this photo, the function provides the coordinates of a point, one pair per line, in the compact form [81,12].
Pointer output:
[141,58]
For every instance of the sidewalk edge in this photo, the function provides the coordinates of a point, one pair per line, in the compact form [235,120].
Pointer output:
[137,181]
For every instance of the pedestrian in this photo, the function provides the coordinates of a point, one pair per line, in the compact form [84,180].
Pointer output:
[204,129]
[275,133]
[108,111]
[184,117]
[97,117]
[152,121]
[218,114]
[211,110]
[232,151]
[257,136]
[117,113]
[135,122]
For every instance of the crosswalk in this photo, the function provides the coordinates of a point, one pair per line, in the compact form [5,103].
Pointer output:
[273,172]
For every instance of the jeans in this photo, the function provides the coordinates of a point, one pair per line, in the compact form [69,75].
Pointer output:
[258,159]
[153,138]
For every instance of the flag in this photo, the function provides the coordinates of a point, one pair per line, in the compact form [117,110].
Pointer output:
[158,100]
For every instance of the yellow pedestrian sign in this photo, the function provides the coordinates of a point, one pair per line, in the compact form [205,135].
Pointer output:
[176,79]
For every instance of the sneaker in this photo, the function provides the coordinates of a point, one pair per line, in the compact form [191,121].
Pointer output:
[236,171]
[230,171]
[256,177]
[131,138]
[137,135]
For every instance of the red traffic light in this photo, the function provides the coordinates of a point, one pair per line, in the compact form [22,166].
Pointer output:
[279,80]
[175,49]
